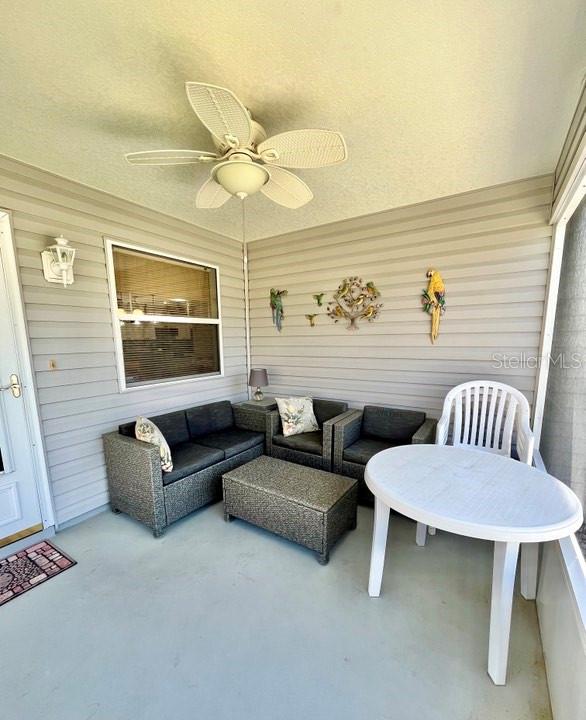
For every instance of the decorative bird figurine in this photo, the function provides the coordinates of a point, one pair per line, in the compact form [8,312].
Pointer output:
[434,301]
[344,289]
[319,297]
[311,319]
[372,289]
[277,307]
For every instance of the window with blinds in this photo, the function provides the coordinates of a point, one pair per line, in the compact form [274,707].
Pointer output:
[167,313]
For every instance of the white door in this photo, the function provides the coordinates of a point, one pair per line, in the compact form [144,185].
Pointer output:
[20,511]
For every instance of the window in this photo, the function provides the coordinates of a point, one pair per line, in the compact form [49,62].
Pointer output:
[167,316]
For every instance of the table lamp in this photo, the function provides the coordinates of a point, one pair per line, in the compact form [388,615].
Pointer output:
[258,378]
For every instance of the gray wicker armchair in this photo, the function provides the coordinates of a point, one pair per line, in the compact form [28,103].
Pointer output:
[313,449]
[363,433]
[206,441]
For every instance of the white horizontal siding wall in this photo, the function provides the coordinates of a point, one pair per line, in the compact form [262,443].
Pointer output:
[80,399]
[492,247]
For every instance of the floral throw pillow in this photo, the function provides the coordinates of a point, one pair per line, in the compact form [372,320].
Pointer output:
[297,415]
[147,431]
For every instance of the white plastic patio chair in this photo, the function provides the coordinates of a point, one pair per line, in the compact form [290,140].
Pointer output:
[485,414]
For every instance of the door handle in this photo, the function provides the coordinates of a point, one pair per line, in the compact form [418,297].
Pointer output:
[14,387]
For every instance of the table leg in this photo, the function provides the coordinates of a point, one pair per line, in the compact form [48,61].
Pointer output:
[379,544]
[421,534]
[501,604]
[529,565]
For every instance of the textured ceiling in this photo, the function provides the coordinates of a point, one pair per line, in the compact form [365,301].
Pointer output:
[434,98]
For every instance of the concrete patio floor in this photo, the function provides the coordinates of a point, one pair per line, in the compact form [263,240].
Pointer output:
[225,621]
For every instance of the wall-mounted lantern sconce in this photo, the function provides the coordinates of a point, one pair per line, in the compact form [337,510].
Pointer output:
[58,262]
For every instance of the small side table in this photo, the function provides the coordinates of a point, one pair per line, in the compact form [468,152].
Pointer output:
[265,405]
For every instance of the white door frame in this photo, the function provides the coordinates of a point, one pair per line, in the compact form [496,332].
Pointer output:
[16,309]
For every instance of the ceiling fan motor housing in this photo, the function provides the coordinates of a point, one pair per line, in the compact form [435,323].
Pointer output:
[258,136]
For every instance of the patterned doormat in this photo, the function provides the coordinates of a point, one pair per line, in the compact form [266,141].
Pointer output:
[28,568]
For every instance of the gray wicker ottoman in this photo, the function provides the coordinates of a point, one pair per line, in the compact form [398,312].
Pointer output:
[311,507]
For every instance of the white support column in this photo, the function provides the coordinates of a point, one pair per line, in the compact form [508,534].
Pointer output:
[529,565]
[553,284]
[379,545]
[501,604]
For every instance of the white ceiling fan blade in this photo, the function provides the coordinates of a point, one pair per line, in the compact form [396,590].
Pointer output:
[304,149]
[221,112]
[211,195]
[286,189]
[170,157]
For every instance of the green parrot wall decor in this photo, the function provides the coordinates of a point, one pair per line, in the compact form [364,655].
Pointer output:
[277,307]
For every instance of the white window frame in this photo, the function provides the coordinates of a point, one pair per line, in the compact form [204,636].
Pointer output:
[111,243]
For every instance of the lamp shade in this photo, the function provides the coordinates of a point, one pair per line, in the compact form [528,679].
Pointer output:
[258,378]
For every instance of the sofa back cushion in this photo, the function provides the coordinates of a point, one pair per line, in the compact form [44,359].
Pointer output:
[327,409]
[173,427]
[213,417]
[128,429]
[396,426]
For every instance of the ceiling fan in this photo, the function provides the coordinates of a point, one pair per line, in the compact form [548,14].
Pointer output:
[247,160]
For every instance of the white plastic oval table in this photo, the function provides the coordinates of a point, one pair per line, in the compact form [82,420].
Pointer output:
[481,495]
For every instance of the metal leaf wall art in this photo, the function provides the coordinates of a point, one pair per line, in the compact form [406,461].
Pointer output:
[353,301]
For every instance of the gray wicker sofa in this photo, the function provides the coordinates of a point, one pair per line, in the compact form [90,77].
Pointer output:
[313,449]
[363,433]
[206,441]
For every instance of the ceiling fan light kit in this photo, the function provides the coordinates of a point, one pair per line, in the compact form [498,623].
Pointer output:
[248,161]
[240,176]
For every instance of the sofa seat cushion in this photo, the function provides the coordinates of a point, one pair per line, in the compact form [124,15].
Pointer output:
[363,449]
[310,442]
[232,441]
[189,458]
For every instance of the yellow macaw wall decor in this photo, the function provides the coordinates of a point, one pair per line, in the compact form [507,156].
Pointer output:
[354,300]
[434,301]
